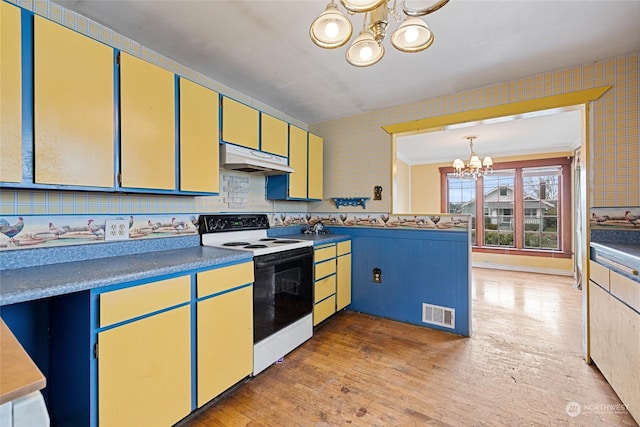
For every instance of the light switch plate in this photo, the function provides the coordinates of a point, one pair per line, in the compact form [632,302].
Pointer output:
[116,229]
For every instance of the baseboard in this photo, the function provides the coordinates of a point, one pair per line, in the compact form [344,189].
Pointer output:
[523,269]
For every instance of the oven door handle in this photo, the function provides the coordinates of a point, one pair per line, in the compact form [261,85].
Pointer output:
[277,260]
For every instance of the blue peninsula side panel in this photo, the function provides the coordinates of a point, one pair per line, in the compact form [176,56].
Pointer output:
[417,266]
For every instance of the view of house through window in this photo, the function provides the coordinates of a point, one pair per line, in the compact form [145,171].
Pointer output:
[519,207]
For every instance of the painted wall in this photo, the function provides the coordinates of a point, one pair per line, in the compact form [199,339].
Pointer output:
[613,131]
[425,187]
[402,187]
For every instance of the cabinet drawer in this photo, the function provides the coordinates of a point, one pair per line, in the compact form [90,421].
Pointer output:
[626,290]
[324,309]
[117,306]
[325,268]
[344,247]
[599,274]
[221,279]
[324,252]
[324,288]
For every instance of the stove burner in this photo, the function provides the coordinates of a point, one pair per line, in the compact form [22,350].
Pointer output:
[235,244]
[255,246]
[286,241]
[268,239]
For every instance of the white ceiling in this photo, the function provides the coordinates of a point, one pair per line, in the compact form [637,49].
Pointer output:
[262,48]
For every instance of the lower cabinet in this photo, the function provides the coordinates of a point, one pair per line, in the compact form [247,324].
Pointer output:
[614,330]
[144,361]
[144,371]
[224,329]
[332,284]
[167,347]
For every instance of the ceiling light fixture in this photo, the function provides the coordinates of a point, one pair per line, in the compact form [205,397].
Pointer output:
[474,168]
[333,29]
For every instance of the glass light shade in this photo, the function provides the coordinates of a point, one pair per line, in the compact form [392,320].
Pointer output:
[475,162]
[331,29]
[413,35]
[360,6]
[458,164]
[364,50]
[487,162]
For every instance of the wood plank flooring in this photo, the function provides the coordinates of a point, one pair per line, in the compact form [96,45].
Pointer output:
[522,366]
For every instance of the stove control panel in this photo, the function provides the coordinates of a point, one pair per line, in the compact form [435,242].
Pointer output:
[232,222]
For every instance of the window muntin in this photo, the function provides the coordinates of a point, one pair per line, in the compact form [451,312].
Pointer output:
[498,191]
[541,197]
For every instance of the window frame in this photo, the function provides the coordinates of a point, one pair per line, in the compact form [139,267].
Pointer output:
[564,202]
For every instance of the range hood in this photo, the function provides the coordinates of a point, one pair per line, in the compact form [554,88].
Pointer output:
[242,159]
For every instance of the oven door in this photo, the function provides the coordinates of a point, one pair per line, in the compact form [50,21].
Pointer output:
[282,290]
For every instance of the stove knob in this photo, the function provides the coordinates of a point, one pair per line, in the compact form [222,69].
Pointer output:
[220,224]
[262,222]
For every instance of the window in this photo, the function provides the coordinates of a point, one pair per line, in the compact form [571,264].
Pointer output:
[523,206]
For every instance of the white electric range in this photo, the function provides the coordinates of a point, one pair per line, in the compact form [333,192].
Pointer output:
[283,282]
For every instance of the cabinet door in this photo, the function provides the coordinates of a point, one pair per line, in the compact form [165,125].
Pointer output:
[199,126]
[225,341]
[343,291]
[73,108]
[239,123]
[274,135]
[144,371]
[10,94]
[147,118]
[315,167]
[298,161]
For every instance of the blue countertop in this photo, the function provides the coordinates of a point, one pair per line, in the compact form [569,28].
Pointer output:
[34,274]
[31,283]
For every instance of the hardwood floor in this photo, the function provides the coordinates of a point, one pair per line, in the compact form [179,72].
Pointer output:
[522,366]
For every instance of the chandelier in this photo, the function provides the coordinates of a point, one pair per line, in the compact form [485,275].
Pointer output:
[474,167]
[332,29]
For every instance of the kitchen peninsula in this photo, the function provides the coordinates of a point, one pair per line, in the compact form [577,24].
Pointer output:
[55,309]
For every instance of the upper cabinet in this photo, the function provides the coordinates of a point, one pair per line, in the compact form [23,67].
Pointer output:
[73,108]
[240,124]
[147,122]
[199,124]
[314,166]
[306,158]
[298,161]
[10,94]
[274,135]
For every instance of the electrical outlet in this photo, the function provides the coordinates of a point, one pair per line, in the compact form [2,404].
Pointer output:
[116,229]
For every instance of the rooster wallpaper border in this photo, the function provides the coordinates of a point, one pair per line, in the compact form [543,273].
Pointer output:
[32,231]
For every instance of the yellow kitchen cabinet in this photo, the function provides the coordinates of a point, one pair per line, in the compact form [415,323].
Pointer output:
[306,158]
[315,166]
[343,273]
[332,273]
[324,291]
[10,94]
[225,329]
[199,125]
[144,364]
[73,108]
[147,121]
[240,123]
[274,135]
[298,161]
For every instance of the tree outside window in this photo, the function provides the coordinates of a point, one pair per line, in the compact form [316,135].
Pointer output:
[522,205]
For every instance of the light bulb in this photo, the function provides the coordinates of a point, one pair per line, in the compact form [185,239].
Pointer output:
[411,35]
[365,53]
[331,29]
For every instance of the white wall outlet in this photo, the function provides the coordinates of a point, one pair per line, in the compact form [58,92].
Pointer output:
[116,229]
